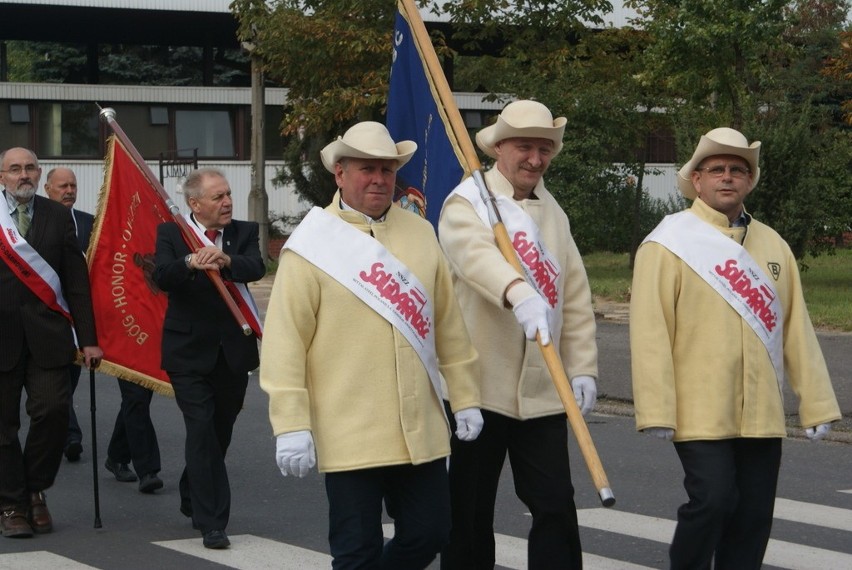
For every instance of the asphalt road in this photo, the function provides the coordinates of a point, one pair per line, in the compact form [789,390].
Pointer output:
[279,522]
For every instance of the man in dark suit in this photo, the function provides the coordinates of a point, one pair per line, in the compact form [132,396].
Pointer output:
[45,285]
[61,186]
[204,351]
[133,438]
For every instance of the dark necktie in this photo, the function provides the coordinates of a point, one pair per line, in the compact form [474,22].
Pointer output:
[23,220]
[229,285]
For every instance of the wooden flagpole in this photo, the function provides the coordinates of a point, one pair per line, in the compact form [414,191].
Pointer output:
[501,236]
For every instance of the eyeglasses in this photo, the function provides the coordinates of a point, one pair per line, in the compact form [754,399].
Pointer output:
[719,170]
[17,169]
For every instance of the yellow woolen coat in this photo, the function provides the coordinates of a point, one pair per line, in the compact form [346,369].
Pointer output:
[515,380]
[699,368]
[333,366]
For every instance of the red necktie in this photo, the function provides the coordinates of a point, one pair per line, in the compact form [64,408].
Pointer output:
[229,285]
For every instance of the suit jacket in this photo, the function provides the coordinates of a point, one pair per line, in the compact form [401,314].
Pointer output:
[85,221]
[24,319]
[197,320]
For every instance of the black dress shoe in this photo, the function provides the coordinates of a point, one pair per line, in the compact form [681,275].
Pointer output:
[216,539]
[150,483]
[121,471]
[73,451]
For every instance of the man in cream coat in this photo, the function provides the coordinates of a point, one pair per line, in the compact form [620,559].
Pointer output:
[717,320]
[361,320]
[523,413]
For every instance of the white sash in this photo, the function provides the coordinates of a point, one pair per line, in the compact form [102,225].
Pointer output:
[241,288]
[541,268]
[373,274]
[727,267]
[30,267]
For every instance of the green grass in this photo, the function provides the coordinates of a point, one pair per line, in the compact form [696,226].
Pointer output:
[827,284]
[609,275]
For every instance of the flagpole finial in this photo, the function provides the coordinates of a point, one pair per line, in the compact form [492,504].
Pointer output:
[106,114]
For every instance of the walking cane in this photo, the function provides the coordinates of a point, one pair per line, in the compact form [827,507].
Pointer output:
[551,357]
[93,407]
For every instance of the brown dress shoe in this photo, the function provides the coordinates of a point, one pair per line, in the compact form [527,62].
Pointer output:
[13,522]
[38,515]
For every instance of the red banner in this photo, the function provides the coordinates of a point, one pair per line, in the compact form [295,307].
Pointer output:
[129,307]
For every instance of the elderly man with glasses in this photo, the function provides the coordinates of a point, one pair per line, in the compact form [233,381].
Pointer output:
[717,320]
[45,314]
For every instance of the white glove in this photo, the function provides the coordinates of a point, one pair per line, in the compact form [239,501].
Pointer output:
[816,433]
[294,453]
[531,312]
[585,392]
[469,423]
[662,433]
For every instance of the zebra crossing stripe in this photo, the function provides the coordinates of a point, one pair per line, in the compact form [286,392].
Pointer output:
[250,552]
[511,552]
[810,513]
[40,560]
[779,553]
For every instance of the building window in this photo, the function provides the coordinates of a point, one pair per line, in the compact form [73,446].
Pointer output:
[13,133]
[209,131]
[19,113]
[68,130]
[135,119]
[159,115]
[661,147]
[472,119]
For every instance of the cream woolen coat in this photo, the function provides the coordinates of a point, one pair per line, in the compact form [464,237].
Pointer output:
[515,381]
[332,365]
[699,368]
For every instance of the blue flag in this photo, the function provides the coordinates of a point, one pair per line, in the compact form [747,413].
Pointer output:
[415,113]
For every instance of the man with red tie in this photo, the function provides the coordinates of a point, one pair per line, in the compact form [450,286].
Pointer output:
[204,350]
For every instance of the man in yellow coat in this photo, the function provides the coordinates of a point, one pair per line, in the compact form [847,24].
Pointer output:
[717,322]
[362,324]
[524,416]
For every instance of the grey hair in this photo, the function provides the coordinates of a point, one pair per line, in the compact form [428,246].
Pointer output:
[3,154]
[192,183]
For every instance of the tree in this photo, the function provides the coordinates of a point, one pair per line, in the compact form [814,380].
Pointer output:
[756,67]
[561,54]
[334,57]
[839,68]
[687,67]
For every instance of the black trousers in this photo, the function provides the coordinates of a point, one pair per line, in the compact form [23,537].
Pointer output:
[134,439]
[75,434]
[210,404]
[416,498]
[538,454]
[731,485]
[33,467]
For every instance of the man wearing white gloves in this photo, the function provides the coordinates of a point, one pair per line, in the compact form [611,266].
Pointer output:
[504,312]
[717,320]
[361,325]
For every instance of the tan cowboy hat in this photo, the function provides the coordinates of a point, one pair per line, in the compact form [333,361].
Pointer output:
[523,118]
[719,141]
[367,139]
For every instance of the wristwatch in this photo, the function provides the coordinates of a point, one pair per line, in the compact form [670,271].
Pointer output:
[188,260]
